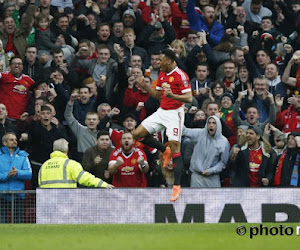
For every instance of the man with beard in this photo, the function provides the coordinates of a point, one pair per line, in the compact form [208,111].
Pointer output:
[241,19]
[129,123]
[15,170]
[252,165]
[253,114]
[205,22]
[210,155]
[128,164]
[14,89]
[286,166]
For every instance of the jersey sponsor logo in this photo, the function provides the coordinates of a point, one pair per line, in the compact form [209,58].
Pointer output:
[21,89]
[165,85]
[171,79]
[127,169]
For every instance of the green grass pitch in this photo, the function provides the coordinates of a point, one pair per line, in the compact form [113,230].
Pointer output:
[136,237]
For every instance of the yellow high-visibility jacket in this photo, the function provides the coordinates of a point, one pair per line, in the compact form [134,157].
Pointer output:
[61,172]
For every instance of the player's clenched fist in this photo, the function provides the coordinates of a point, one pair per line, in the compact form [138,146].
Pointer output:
[120,161]
[168,93]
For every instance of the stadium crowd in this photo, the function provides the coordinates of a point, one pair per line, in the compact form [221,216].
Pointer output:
[70,69]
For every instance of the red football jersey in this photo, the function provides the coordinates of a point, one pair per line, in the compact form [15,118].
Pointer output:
[179,83]
[128,174]
[255,160]
[14,93]
[115,136]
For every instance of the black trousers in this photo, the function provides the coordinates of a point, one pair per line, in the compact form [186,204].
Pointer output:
[16,212]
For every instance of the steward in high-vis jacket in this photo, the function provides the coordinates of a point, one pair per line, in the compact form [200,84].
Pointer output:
[61,172]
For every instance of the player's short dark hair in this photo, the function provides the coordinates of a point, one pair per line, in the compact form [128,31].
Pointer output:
[169,54]
[102,132]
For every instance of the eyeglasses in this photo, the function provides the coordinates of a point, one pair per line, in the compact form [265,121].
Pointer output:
[16,63]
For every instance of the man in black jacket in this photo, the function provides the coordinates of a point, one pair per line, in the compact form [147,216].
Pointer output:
[5,125]
[41,135]
[31,65]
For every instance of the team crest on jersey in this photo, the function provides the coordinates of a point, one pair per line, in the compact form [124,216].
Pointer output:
[171,79]
[26,83]
[229,118]
[133,161]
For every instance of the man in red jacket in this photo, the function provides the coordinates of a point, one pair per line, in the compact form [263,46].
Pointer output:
[288,119]
[14,89]
[128,164]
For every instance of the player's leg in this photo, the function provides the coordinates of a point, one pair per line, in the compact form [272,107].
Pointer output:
[177,167]
[144,132]
[174,128]
[140,132]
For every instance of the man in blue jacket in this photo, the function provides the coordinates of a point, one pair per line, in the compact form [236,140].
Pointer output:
[14,171]
[205,22]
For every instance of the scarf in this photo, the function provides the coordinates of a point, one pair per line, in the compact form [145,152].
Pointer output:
[225,112]
[278,170]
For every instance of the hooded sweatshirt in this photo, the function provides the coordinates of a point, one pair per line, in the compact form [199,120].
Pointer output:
[210,153]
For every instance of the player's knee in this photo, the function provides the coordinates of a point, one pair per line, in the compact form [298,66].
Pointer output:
[135,135]
[175,146]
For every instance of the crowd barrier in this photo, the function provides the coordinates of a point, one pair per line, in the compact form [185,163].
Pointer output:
[17,206]
[152,205]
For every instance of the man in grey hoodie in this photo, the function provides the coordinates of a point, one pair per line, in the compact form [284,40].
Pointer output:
[210,155]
